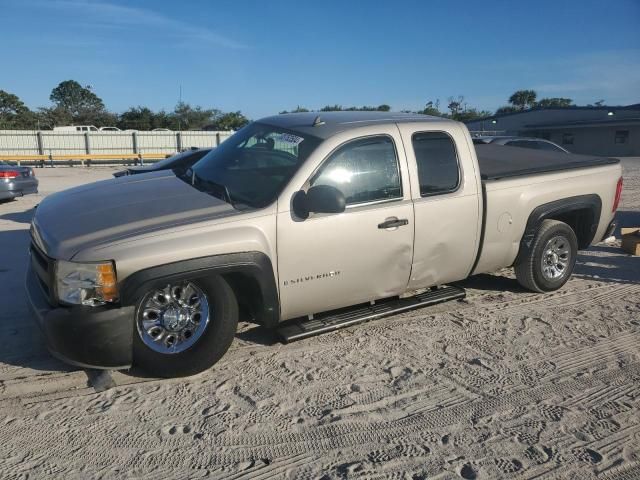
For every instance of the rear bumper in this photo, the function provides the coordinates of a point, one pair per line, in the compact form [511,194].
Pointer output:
[610,229]
[88,337]
[18,188]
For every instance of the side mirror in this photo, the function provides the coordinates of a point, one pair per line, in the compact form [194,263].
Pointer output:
[319,199]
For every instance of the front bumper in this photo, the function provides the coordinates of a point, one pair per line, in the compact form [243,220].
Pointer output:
[89,337]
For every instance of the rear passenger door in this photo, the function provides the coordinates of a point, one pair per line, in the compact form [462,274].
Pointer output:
[447,204]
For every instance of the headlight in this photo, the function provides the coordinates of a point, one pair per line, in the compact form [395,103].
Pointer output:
[86,283]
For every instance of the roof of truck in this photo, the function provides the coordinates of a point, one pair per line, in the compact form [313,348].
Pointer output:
[328,124]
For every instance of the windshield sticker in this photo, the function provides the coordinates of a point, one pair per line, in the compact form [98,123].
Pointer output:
[290,138]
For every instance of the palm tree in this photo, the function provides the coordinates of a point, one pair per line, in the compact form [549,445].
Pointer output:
[523,99]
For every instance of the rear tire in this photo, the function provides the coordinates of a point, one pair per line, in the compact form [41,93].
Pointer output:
[549,263]
[209,346]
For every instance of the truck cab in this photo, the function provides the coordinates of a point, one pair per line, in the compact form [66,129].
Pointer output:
[390,175]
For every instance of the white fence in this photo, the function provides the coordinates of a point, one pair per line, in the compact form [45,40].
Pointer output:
[20,143]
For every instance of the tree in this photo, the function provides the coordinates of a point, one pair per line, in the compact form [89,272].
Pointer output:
[506,109]
[523,99]
[76,99]
[14,113]
[298,109]
[555,102]
[138,118]
[469,114]
[432,108]
[331,108]
[49,117]
[186,117]
[229,121]
[456,105]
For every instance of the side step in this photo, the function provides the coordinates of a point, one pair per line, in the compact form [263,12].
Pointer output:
[326,322]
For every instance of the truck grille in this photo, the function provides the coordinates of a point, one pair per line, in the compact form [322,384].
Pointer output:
[43,268]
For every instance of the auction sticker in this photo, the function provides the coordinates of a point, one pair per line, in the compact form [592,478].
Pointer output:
[290,138]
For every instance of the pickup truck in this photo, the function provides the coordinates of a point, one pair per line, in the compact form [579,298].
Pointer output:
[304,223]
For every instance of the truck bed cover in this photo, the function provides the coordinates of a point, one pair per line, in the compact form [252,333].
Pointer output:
[500,161]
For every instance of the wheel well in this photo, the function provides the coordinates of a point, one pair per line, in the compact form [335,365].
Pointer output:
[248,294]
[249,274]
[581,213]
[581,221]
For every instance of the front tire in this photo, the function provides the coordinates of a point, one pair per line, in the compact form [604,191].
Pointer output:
[184,327]
[549,262]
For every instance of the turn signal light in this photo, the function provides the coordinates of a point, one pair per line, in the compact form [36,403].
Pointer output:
[107,282]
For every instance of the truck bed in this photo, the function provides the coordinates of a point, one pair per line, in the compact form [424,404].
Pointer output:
[500,161]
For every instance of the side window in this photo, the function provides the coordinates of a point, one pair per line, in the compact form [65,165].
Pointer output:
[622,136]
[364,170]
[437,161]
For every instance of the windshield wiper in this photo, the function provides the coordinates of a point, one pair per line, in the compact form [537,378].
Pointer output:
[217,189]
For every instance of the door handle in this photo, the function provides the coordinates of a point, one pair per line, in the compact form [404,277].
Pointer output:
[393,222]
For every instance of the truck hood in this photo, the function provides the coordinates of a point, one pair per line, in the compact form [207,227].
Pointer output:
[68,222]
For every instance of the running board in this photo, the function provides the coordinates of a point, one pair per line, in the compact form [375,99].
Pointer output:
[326,322]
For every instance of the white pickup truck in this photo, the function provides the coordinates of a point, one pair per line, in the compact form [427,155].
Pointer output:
[304,223]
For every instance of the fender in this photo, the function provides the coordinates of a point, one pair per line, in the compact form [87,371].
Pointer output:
[256,265]
[552,210]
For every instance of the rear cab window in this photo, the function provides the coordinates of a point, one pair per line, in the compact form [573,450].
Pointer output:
[437,162]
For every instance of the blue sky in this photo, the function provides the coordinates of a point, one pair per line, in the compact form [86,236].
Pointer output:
[265,56]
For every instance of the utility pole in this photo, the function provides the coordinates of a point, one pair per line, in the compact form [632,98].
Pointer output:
[180,103]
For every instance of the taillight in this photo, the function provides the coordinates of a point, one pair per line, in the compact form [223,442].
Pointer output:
[32,172]
[616,200]
[9,174]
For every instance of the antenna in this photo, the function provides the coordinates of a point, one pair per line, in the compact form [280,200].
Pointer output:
[318,121]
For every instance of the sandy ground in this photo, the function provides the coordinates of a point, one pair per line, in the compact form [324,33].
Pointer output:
[504,384]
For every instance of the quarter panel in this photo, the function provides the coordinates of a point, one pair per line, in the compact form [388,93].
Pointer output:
[516,198]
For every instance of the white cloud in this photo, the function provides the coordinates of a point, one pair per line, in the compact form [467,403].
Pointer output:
[114,15]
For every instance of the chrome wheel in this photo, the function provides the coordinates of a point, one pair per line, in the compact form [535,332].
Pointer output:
[555,257]
[174,318]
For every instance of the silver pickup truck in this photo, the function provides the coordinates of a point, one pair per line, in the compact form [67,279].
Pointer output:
[303,223]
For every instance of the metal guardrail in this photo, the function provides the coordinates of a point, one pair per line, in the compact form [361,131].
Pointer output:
[82,159]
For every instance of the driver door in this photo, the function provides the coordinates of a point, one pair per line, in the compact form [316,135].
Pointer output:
[331,261]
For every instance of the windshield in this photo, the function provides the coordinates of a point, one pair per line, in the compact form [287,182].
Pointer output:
[253,166]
